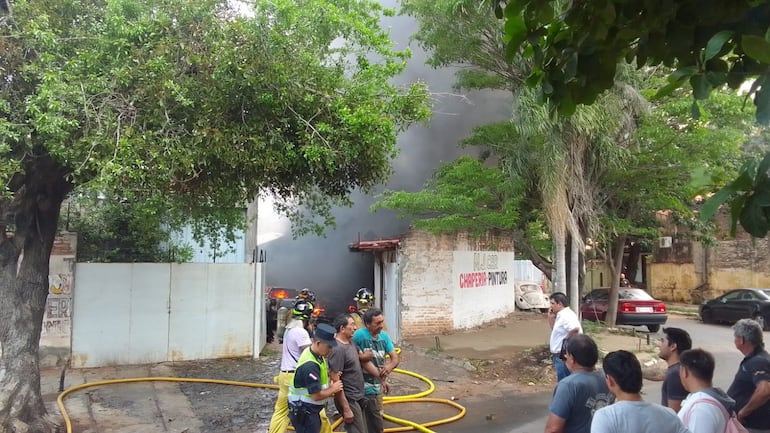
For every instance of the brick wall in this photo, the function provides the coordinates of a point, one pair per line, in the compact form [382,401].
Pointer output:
[427,278]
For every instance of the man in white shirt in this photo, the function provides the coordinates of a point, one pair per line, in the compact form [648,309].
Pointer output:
[706,409]
[564,323]
[631,414]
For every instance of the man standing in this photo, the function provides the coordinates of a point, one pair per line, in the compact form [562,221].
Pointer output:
[344,360]
[631,414]
[564,323]
[295,340]
[312,384]
[706,409]
[374,345]
[578,396]
[673,342]
[751,386]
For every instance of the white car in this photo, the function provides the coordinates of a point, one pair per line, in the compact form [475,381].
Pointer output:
[529,296]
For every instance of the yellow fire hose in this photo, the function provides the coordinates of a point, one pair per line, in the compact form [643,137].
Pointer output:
[407,425]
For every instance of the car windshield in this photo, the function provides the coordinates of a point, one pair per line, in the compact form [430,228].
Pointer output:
[766,292]
[526,288]
[635,294]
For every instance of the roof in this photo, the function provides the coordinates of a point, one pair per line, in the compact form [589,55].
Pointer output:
[376,245]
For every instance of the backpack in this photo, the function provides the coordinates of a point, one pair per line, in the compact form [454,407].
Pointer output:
[731,426]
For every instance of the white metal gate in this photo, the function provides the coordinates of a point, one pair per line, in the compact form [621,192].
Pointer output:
[135,313]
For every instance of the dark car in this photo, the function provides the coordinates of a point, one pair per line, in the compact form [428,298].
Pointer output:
[738,304]
[635,307]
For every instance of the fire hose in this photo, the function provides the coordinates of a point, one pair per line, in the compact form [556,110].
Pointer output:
[406,424]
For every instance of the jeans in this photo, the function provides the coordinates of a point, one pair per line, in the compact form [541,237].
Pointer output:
[371,406]
[560,367]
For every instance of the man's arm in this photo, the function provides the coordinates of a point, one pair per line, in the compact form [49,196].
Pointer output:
[555,424]
[675,404]
[761,396]
[391,364]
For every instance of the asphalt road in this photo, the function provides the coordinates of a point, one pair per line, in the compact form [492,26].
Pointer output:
[528,413]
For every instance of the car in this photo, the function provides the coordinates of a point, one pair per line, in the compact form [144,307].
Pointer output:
[738,304]
[530,296]
[635,307]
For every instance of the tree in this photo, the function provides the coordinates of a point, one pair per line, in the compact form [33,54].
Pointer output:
[112,230]
[467,195]
[575,50]
[551,154]
[190,105]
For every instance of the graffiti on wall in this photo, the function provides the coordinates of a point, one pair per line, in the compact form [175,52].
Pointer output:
[57,316]
[60,283]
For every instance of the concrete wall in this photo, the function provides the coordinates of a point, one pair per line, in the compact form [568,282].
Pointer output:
[135,313]
[690,272]
[57,318]
[432,299]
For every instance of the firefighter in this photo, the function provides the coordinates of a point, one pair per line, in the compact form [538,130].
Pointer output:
[307,295]
[364,301]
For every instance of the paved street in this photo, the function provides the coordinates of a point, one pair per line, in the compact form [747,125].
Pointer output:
[718,339]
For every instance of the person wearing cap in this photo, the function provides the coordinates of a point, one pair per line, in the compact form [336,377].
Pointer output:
[296,338]
[312,384]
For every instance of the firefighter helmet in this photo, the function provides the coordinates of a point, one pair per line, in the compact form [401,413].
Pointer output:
[307,295]
[364,296]
[302,309]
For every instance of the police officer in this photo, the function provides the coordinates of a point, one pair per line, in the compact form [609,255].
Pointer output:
[312,385]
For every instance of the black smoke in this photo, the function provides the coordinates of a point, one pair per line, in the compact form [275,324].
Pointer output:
[325,264]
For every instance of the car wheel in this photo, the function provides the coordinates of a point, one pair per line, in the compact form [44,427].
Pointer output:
[653,328]
[762,322]
[706,316]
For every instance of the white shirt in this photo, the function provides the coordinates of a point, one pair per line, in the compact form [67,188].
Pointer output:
[295,339]
[636,417]
[701,416]
[566,321]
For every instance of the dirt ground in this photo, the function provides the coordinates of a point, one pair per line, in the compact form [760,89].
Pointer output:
[511,354]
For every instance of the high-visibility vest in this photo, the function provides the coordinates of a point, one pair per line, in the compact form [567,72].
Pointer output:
[301,394]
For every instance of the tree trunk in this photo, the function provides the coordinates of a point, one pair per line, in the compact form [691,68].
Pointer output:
[561,268]
[30,224]
[574,263]
[616,265]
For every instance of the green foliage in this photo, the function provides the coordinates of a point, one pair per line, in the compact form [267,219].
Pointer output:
[750,194]
[197,107]
[111,230]
[463,195]
[575,51]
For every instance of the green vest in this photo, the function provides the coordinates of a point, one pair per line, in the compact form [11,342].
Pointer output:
[301,394]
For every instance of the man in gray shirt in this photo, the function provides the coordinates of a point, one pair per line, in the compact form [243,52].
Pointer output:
[344,359]
[580,394]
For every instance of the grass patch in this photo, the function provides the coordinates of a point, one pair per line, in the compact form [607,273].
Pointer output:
[268,352]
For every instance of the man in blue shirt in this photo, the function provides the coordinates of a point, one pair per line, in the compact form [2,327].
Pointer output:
[580,394]
[375,345]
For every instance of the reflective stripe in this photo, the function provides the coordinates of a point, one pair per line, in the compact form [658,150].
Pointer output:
[301,394]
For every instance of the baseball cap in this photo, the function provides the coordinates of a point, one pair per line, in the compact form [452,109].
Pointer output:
[325,334]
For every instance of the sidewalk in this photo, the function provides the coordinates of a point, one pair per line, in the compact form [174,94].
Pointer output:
[122,408]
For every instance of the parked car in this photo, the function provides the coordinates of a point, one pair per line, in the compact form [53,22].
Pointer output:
[738,304]
[635,307]
[530,296]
